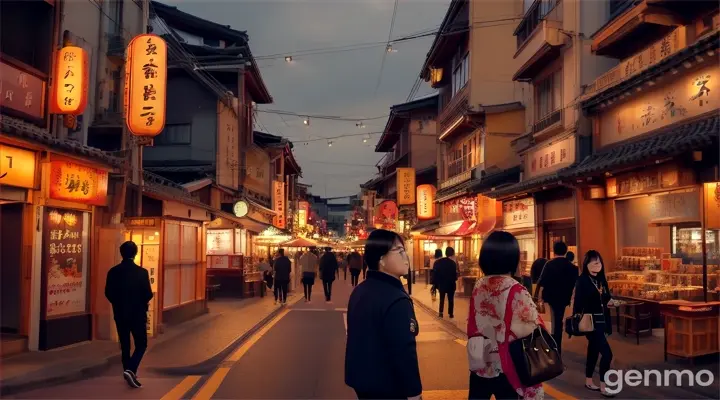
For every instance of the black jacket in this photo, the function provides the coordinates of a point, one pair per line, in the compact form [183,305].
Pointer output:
[558,281]
[355,261]
[445,275]
[381,355]
[282,269]
[128,290]
[588,300]
[328,266]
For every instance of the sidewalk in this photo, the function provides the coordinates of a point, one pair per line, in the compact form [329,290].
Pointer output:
[193,346]
[626,353]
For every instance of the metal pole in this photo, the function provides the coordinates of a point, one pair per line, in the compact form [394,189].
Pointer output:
[704,242]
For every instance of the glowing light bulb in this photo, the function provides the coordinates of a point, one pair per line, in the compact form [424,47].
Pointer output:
[288,59]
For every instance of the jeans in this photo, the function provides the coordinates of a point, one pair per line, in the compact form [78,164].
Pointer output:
[308,291]
[558,316]
[451,302]
[135,327]
[327,287]
[483,388]
[598,346]
[281,290]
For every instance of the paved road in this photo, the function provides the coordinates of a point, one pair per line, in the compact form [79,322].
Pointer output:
[300,355]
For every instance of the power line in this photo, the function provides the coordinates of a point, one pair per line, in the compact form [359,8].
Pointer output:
[387,48]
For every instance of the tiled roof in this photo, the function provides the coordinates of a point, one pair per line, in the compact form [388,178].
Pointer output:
[671,142]
[21,129]
[423,226]
[529,184]
[454,191]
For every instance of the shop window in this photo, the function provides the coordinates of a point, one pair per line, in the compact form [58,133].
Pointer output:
[548,95]
[171,275]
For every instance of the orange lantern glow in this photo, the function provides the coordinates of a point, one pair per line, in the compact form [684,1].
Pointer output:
[426,202]
[71,82]
[488,212]
[146,85]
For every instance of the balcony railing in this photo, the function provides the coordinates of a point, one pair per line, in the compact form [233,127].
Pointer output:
[547,121]
[533,17]
[454,108]
[460,165]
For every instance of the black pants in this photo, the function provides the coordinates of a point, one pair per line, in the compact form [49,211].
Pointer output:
[344,274]
[364,272]
[327,287]
[281,290]
[354,277]
[308,290]
[598,346]
[483,388]
[558,315]
[136,328]
[451,302]
[375,396]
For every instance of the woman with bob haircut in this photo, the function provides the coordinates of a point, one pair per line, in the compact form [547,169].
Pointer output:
[381,356]
[499,260]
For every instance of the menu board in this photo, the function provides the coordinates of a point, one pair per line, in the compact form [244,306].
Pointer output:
[64,256]
[150,261]
[219,241]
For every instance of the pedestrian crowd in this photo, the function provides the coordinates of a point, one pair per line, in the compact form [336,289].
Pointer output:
[510,350]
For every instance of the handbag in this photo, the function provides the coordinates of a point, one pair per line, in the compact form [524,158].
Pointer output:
[534,358]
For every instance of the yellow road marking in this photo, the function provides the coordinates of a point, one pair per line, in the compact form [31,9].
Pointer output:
[461,342]
[181,388]
[254,339]
[211,386]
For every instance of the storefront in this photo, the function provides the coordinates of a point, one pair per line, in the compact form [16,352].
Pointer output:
[556,210]
[660,237]
[519,219]
[64,236]
[226,249]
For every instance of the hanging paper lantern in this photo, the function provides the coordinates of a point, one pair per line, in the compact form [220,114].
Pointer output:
[146,85]
[69,95]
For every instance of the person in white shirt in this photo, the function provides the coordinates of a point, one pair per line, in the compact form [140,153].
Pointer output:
[309,265]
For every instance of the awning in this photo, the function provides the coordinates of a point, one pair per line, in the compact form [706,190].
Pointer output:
[253,225]
[261,207]
[528,185]
[669,142]
[298,242]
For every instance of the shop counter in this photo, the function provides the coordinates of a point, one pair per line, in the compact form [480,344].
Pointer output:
[691,328]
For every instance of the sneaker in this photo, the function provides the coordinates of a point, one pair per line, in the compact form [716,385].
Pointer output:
[131,379]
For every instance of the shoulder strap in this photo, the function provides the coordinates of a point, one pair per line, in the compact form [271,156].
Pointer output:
[514,289]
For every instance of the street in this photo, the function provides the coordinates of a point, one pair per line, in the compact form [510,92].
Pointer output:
[300,355]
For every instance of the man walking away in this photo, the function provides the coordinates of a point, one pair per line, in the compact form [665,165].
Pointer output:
[328,268]
[128,290]
[308,264]
[355,263]
[282,268]
[342,263]
[445,276]
[555,287]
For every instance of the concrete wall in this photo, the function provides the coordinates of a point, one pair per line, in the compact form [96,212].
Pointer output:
[188,102]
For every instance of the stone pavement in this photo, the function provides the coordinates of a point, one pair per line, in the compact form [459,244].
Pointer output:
[227,323]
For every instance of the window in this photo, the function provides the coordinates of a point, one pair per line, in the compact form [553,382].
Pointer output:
[461,73]
[548,95]
[463,156]
[174,134]
[211,42]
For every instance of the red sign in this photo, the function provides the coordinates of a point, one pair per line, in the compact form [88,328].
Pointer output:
[386,214]
[79,183]
[22,92]
[462,209]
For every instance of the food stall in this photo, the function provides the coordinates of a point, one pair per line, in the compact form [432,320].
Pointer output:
[226,247]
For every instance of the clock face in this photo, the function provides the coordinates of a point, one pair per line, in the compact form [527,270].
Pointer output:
[240,209]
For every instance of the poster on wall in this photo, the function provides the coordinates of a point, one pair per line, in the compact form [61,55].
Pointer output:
[386,215]
[220,241]
[150,261]
[64,259]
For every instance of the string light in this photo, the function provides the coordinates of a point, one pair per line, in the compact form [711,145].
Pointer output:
[288,59]
[390,49]
[360,125]
[366,138]
[306,121]
[330,143]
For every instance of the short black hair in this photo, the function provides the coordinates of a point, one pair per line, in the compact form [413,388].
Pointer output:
[128,250]
[500,254]
[328,249]
[570,256]
[591,256]
[560,248]
[281,252]
[379,243]
[449,252]
[438,253]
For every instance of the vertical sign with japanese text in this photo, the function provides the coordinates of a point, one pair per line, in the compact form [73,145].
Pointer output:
[64,256]
[75,182]
[405,186]
[426,202]
[228,151]
[71,82]
[146,85]
[278,199]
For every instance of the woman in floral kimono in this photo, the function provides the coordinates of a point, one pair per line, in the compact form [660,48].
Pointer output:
[491,367]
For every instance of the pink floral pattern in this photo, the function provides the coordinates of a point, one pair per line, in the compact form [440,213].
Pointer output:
[489,302]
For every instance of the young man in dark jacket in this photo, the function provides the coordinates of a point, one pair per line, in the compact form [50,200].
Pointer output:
[555,287]
[128,290]
[282,268]
[445,276]
[328,268]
